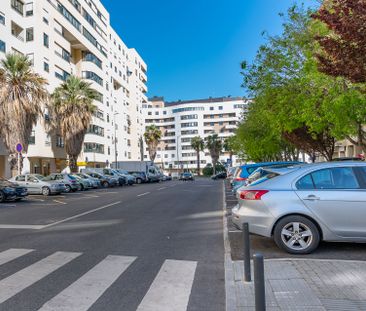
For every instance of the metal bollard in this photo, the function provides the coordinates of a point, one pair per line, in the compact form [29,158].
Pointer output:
[246,246]
[259,285]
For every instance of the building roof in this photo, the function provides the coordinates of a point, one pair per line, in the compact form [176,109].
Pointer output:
[194,101]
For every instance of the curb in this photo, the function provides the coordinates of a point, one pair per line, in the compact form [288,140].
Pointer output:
[231,302]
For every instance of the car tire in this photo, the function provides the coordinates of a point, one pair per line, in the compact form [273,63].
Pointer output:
[289,235]
[68,188]
[138,181]
[18,199]
[105,184]
[46,191]
[82,188]
[2,197]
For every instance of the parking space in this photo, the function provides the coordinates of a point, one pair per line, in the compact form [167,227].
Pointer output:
[266,246]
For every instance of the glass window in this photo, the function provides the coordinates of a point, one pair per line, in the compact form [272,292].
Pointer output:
[2,18]
[46,67]
[305,183]
[46,40]
[29,34]
[335,178]
[20,178]
[322,179]
[2,46]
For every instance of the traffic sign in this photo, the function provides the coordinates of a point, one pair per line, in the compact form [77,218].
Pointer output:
[19,148]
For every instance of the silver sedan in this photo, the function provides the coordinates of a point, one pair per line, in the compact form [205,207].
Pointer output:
[302,205]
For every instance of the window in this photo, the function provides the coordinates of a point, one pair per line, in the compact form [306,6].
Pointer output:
[46,40]
[45,20]
[220,107]
[2,46]
[93,147]
[92,76]
[96,130]
[46,67]
[20,178]
[188,109]
[29,9]
[17,6]
[60,142]
[61,74]
[334,178]
[72,20]
[2,18]
[188,117]
[29,34]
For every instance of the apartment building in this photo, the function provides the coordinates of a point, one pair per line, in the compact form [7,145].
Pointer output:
[180,121]
[64,37]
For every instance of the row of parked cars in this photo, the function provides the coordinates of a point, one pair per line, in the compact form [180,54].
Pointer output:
[20,186]
[299,205]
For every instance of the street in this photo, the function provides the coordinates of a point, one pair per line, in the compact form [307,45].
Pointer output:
[147,247]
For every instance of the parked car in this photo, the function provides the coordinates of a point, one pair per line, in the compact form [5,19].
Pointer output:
[7,192]
[20,192]
[244,171]
[110,173]
[130,179]
[95,182]
[186,176]
[221,175]
[106,181]
[301,205]
[141,177]
[38,184]
[70,181]
[85,183]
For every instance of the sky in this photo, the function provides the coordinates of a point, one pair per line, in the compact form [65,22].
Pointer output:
[193,48]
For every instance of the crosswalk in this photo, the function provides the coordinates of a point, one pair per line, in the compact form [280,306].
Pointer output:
[169,291]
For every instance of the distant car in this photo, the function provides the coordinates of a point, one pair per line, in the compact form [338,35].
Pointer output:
[38,184]
[70,181]
[141,177]
[301,205]
[95,183]
[221,175]
[20,192]
[130,179]
[244,171]
[7,193]
[106,181]
[85,184]
[348,159]
[186,176]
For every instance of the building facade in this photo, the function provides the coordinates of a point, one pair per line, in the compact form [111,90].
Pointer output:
[64,37]
[180,121]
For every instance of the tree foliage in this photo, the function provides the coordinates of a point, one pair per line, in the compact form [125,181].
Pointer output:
[214,146]
[152,137]
[198,144]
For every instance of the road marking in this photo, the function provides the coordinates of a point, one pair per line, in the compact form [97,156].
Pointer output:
[162,188]
[235,231]
[80,215]
[57,201]
[81,295]
[22,279]
[171,288]
[12,254]
[91,196]
[142,194]
[40,200]
[32,227]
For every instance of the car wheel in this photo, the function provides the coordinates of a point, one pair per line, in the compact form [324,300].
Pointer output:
[2,197]
[297,235]
[68,188]
[18,199]
[46,191]
[105,184]
[138,181]
[82,188]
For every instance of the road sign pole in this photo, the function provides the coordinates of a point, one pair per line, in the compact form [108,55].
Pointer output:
[18,163]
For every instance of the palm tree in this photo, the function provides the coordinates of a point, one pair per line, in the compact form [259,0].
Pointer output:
[229,144]
[152,137]
[72,110]
[141,145]
[214,146]
[22,97]
[198,145]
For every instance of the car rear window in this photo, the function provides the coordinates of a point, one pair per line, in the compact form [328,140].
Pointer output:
[71,177]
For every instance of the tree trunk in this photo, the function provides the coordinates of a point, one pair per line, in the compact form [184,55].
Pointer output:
[73,164]
[13,163]
[198,163]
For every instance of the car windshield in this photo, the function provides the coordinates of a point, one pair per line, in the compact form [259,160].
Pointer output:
[41,177]
[71,177]
[260,175]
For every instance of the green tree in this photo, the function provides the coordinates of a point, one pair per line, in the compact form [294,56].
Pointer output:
[198,145]
[214,146]
[72,109]
[22,98]
[152,137]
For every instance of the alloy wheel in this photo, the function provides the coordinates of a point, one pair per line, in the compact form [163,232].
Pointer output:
[296,236]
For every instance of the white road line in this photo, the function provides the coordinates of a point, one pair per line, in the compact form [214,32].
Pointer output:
[82,294]
[57,201]
[171,288]
[142,194]
[162,188]
[22,279]
[80,215]
[32,227]
[12,254]
[40,200]
[91,196]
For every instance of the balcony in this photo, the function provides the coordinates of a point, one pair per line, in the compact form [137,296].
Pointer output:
[18,6]
[17,31]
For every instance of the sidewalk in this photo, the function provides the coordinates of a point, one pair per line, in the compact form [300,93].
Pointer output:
[310,284]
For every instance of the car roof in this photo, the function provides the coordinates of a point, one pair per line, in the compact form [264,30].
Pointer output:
[259,164]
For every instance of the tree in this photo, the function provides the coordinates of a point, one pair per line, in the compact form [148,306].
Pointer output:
[22,97]
[214,146]
[198,145]
[229,146]
[141,145]
[152,137]
[344,46]
[71,111]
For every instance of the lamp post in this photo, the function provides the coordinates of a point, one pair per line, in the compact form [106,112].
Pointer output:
[115,140]
[177,146]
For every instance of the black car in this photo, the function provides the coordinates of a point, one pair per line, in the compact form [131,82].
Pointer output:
[221,175]
[186,176]
[10,191]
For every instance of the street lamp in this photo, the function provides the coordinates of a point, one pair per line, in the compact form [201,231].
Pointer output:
[115,140]
[177,146]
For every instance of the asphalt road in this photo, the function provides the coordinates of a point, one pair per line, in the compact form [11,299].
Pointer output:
[155,247]
[267,247]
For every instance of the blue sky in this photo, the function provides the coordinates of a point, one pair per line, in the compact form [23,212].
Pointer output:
[193,48]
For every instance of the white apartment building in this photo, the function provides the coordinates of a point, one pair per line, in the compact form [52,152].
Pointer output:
[64,37]
[180,121]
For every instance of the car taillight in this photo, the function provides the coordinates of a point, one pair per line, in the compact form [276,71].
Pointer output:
[252,194]
[240,179]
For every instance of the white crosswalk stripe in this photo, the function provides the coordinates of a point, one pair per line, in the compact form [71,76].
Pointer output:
[20,280]
[81,295]
[12,254]
[171,289]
